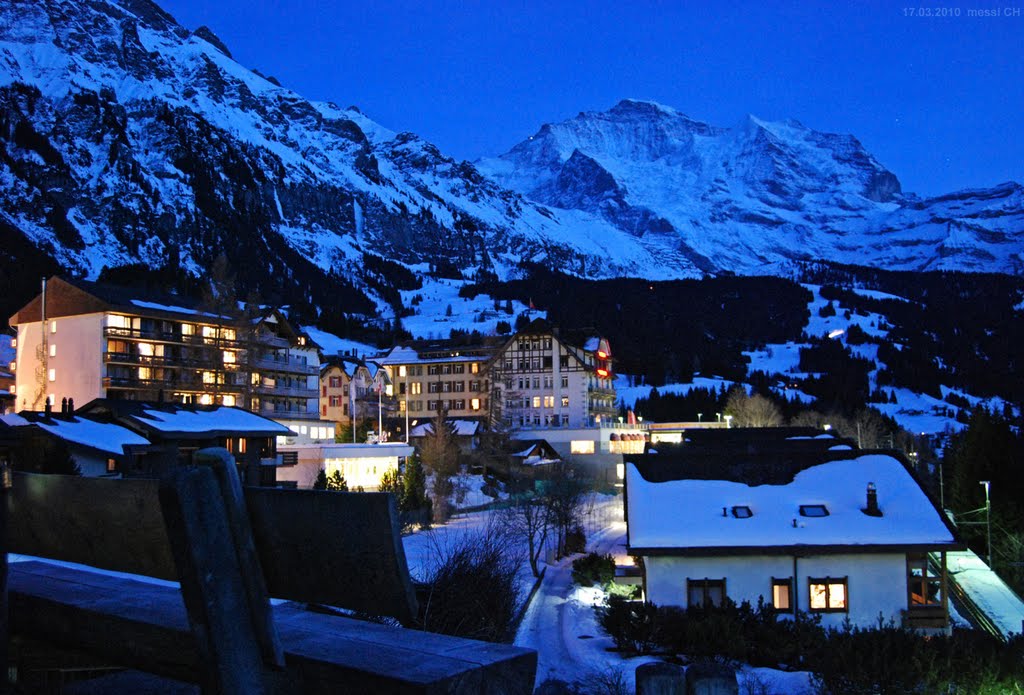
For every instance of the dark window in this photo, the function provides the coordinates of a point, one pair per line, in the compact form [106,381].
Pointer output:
[813,510]
[742,512]
[704,592]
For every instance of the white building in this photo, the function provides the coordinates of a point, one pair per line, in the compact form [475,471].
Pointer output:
[818,544]
[363,465]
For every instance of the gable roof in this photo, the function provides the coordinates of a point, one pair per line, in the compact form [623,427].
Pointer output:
[81,430]
[463,428]
[685,517]
[175,420]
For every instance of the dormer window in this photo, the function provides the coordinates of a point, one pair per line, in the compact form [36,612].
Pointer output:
[813,510]
[742,511]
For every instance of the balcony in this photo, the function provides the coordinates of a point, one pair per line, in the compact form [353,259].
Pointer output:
[135,383]
[285,391]
[284,364]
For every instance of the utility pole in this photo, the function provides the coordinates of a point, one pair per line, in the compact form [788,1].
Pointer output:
[988,520]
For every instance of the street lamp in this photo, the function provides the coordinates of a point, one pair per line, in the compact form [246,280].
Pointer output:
[719,416]
[988,520]
[699,416]
[728,421]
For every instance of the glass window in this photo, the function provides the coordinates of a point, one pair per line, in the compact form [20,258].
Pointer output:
[813,510]
[581,446]
[924,585]
[704,592]
[828,595]
[782,594]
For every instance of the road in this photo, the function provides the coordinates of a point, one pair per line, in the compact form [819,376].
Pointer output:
[559,623]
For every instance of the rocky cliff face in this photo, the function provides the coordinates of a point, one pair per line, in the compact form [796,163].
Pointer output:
[757,195]
[126,138]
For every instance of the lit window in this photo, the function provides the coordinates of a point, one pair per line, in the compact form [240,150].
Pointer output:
[402,371]
[828,595]
[549,401]
[209,378]
[782,594]
[188,329]
[228,400]
[924,585]
[206,399]
[53,326]
[474,404]
[581,446]
[14,343]
[813,510]
[53,349]
[229,357]
[704,592]
[13,389]
[536,401]
[565,401]
[53,375]
[111,466]
[146,349]
[303,429]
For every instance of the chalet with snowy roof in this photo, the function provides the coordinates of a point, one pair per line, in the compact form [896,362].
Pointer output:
[466,433]
[175,432]
[851,537]
[86,340]
[38,441]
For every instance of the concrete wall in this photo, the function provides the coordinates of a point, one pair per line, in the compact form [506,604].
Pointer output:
[875,583]
[77,362]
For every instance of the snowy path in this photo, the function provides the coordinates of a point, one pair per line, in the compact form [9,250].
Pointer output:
[560,622]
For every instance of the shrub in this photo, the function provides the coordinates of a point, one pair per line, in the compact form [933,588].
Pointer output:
[592,569]
[472,590]
[632,625]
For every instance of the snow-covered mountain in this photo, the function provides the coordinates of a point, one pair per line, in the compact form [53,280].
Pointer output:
[127,138]
[755,195]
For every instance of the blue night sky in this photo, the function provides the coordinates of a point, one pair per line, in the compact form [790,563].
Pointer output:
[937,100]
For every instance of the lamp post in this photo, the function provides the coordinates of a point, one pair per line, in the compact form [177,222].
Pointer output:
[699,416]
[719,416]
[988,520]
[728,421]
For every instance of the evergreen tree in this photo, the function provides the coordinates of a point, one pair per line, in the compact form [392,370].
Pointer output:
[336,482]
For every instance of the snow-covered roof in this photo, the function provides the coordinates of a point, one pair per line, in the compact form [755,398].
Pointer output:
[218,419]
[102,436]
[175,309]
[685,516]
[592,344]
[463,428]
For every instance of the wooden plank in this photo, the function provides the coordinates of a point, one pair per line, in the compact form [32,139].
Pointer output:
[103,522]
[336,548]
[144,626]
[212,583]
[224,469]
[339,549]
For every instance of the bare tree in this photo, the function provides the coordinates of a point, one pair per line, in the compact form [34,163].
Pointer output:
[529,518]
[564,493]
[752,411]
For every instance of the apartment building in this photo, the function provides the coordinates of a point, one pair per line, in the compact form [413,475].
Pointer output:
[427,376]
[83,340]
[544,381]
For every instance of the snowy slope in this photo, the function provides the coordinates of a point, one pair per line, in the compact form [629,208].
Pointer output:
[752,197]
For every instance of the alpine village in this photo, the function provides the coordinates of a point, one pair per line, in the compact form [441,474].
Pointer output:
[295,403]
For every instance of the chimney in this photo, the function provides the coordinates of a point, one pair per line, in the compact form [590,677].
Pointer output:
[48,408]
[872,508]
[64,406]
[71,406]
